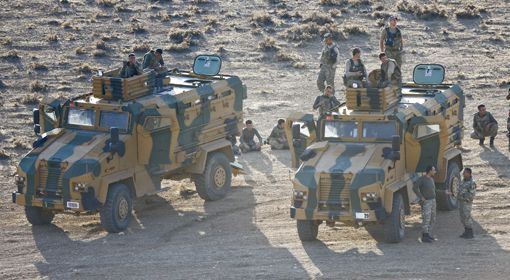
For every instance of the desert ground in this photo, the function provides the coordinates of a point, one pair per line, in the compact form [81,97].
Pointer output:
[52,48]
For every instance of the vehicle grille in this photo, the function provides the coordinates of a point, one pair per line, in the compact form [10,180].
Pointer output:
[51,175]
[334,191]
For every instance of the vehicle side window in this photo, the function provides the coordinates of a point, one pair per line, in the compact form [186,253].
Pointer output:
[424,130]
[304,128]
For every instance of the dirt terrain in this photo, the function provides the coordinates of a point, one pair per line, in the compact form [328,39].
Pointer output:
[52,48]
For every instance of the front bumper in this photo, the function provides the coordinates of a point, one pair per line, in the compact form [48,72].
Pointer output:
[48,203]
[337,216]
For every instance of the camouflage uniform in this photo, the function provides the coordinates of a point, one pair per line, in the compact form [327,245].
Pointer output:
[425,189]
[392,38]
[329,57]
[151,62]
[390,73]
[325,103]
[352,68]
[465,196]
[130,70]
[484,126]
[247,143]
[428,215]
[278,139]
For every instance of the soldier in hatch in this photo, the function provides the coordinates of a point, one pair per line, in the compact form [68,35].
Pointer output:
[130,67]
[328,61]
[154,60]
[390,72]
[278,139]
[355,71]
[484,124]
[326,102]
[247,142]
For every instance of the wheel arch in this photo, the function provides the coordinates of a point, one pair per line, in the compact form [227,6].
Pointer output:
[123,177]
[221,146]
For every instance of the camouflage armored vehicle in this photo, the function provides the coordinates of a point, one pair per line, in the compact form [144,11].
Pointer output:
[99,151]
[358,166]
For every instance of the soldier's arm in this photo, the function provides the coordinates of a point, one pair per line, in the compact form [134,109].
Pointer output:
[122,72]
[416,189]
[161,62]
[391,69]
[243,134]
[381,42]
[475,123]
[273,133]
[258,135]
[316,104]
[491,118]
[401,42]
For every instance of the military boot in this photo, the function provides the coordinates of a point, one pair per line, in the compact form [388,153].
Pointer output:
[425,237]
[468,234]
[481,141]
[464,234]
[492,142]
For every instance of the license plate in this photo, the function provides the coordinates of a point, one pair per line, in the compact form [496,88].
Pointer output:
[361,216]
[73,205]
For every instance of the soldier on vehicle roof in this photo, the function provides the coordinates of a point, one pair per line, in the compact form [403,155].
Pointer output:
[247,141]
[328,62]
[326,102]
[390,72]
[484,124]
[355,71]
[391,41]
[153,60]
[131,67]
[278,139]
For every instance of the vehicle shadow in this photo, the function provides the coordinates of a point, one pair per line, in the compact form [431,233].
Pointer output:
[447,258]
[257,161]
[220,240]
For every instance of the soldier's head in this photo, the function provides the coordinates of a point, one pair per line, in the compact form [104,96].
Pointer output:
[328,38]
[383,58]
[430,170]
[356,53]
[481,110]
[393,21]
[467,173]
[328,91]
[158,53]
[132,58]
[249,124]
[281,122]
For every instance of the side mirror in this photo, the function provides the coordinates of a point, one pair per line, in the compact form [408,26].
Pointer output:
[114,136]
[395,147]
[37,129]
[296,131]
[35,116]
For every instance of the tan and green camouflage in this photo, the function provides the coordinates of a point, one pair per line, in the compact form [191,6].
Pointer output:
[164,134]
[347,172]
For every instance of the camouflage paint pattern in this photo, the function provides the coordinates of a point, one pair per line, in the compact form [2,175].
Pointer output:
[170,134]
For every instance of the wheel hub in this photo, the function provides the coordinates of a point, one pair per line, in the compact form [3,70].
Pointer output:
[123,208]
[220,177]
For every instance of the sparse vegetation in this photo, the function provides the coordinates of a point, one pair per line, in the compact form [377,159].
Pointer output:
[268,44]
[469,12]
[30,99]
[67,24]
[101,45]
[311,30]
[180,47]
[261,18]
[106,3]
[7,41]
[38,86]
[319,18]
[138,28]
[142,47]
[4,155]
[80,51]
[52,38]
[179,35]
[85,68]
[2,85]
[425,12]
[39,66]
[354,30]
[11,56]
[99,53]
[333,2]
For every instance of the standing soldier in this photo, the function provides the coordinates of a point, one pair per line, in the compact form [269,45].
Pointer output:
[465,196]
[329,57]
[425,189]
[326,102]
[391,41]
[277,139]
[484,124]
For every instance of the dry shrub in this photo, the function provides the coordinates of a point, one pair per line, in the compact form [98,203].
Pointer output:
[122,9]
[179,35]
[7,41]
[2,85]
[200,2]
[183,46]
[106,3]
[261,18]
[67,24]
[357,3]
[52,37]
[319,18]
[469,12]
[30,99]
[283,14]
[85,68]
[19,144]
[380,15]
[39,66]
[137,28]
[99,53]
[354,30]
[4,155]
[38,86]
[142,47]
[335,13]
[333,2]
[80,51]
[11,56]
[425,12]
[268,44]
[312,30]
[101,45]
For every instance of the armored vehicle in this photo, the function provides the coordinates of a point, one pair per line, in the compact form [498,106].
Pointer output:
[358,166]
[99,151]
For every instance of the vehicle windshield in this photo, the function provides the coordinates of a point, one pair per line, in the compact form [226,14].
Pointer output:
[383,131]
[119,120]
[81,117]
[341,129]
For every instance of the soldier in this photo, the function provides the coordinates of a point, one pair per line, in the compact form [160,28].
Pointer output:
[153,60]
[355,71]
[390,72]
[425,189]
[465,196]
[248,144]
[484,124]
[329,57]
[326,102]
[391,41]
[278,139]
[130,67]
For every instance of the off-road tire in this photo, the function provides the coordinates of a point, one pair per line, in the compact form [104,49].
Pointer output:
[216,180]
[38,216]
[116,212]
[307,229]
[449,202]
[394,225]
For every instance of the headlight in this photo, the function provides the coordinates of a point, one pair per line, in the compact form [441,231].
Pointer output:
[80,187]
[300,195]
[369,196]
[19,179]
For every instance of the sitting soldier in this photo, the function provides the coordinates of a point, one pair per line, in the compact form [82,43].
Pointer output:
[130,67]
[390,72]
[154,60]
[355,75]
[247,143]
[278,139]
[326,102]
[484,124]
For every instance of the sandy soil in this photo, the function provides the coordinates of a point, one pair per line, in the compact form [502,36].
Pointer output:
[47,47]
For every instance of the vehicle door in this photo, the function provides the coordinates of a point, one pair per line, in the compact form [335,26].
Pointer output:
[301,132]
[50,114]
[425,137]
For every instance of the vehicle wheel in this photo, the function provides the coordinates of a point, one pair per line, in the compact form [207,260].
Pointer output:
[395,224]
[452,183]
[116,211]
[38,216]
[307,229]
[215,182]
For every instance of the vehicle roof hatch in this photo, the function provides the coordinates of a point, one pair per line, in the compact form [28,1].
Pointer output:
[428,74]
[208,65]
